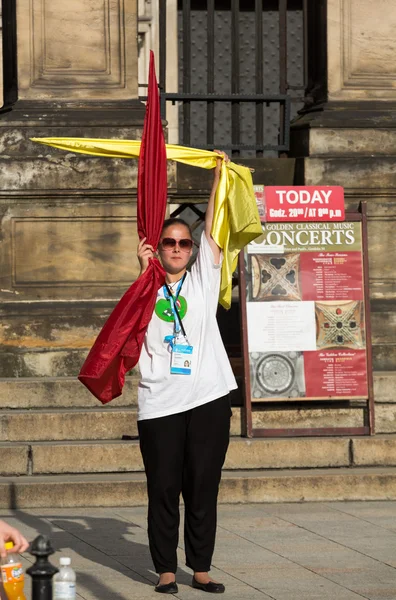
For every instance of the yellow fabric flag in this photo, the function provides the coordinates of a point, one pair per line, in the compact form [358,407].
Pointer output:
[236,220]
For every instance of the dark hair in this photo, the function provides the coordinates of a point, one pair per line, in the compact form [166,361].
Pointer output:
[176,221]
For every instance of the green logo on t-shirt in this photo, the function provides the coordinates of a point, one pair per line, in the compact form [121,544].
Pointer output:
[163,309]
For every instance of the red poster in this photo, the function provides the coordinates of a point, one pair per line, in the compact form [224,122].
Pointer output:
[332,275]
[336,373]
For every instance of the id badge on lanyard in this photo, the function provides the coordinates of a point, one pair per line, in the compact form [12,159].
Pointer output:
[181,353]
[181,359]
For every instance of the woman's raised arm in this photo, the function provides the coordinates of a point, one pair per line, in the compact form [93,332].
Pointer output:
[210,208]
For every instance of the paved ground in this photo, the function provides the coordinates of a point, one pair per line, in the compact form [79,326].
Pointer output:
[337,551]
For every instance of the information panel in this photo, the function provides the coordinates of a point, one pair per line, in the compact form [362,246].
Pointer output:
[305,329]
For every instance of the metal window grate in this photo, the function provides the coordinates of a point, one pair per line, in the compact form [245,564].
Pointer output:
[10,71]
[264,105]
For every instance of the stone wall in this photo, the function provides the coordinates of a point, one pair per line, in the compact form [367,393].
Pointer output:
[68,222]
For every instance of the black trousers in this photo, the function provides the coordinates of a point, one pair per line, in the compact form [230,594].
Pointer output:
[184,453]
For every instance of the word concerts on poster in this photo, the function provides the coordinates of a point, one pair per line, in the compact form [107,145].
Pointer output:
[307,236]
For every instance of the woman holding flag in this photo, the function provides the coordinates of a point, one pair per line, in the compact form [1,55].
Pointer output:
[166,321]
[184,411]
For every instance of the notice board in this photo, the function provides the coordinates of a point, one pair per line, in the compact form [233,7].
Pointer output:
[305,318]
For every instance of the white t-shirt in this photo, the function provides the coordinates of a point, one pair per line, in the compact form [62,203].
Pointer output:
[160,393]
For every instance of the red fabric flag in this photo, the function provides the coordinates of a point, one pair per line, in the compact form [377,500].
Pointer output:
[118,345]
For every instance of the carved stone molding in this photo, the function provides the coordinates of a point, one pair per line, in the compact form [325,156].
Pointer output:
[361,49]
[68,250]
[80,49]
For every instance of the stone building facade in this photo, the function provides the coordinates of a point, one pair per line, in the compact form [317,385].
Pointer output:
[67,222]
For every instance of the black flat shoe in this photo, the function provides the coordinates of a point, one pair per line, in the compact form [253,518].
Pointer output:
[167,588]
[211,587]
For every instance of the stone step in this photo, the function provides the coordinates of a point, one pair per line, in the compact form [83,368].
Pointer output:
[125,489]
[111,457]
[109,422]
[105,423]
[379,450]
[299,418]
[58,392]
[56,424]
[385,386]
[15,459]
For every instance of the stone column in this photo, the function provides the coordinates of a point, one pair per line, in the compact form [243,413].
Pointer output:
[149,34]
[68,232]
[346,135]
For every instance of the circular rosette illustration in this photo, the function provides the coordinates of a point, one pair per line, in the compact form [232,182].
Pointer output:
[277,375]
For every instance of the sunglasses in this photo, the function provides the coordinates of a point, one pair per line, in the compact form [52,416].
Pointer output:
[184,244]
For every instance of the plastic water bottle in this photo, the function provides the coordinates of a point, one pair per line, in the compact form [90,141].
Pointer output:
[12,575]
[65,581]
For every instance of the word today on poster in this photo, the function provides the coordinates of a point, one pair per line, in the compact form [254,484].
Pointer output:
[300,203]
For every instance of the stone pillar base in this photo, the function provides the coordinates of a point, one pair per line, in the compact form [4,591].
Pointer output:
[345,128]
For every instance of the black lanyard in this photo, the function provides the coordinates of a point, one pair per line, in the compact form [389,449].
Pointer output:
[173,300]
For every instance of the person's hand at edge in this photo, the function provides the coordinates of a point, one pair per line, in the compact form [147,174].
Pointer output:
[11,534]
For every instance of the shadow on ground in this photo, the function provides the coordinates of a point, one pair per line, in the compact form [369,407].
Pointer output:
[102,541]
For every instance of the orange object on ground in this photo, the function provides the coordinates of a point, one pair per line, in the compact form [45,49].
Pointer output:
[13,578]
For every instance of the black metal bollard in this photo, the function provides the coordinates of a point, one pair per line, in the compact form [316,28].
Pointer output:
[42,571]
